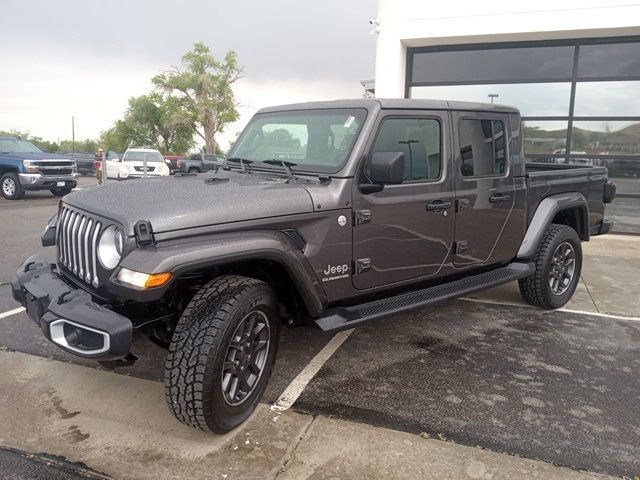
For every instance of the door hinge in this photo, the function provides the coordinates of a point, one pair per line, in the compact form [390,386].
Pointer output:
[362,265]
[460,246]
[362,216]
[462,203]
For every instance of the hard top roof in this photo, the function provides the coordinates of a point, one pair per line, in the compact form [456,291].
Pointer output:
[395,104]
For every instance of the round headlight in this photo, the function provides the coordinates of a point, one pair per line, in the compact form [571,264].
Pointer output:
[110,247]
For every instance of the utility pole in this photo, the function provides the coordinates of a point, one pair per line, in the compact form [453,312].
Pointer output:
[73,134]
[492,96]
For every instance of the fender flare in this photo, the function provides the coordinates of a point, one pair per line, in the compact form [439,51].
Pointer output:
[223,249]
[547,209]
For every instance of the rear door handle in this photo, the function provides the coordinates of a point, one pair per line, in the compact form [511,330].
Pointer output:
[438,205]
[499,198]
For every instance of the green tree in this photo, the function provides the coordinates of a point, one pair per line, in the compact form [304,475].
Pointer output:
[153,120]
[81,146]
[162,122]
[116,138]
[204,85]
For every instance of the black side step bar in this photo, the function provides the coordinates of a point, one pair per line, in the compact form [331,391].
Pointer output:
[340,318]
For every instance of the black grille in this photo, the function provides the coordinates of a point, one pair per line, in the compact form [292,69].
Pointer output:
[51,172]
[141,169]
[51,168]
[77,240]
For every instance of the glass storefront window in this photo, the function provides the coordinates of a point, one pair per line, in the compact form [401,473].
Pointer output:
[532,99]
[540,138]
[536,78]
[609,60]
[606,99]
[493,65]
[607,138]
[615,138]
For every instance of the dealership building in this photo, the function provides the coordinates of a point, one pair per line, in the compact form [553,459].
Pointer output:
[571,67]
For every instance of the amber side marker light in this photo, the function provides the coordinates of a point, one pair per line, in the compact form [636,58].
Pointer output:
[144,280]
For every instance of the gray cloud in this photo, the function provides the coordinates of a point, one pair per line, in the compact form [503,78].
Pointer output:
[293,38]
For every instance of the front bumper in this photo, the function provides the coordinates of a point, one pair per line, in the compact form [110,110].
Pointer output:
[36,181]
[68,316]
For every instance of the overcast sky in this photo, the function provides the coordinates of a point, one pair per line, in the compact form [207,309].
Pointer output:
[84,58]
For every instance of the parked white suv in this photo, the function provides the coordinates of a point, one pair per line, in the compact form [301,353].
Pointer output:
[132,163]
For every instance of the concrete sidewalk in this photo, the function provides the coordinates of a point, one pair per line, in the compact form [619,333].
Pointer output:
[120,426]
[609,281]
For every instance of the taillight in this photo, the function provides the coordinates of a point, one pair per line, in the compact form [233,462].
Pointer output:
[178,163]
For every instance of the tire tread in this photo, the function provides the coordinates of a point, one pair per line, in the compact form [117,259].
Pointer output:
[196,339]
[532,288]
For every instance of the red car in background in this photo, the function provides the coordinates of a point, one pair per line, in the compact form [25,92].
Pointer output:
[172,162]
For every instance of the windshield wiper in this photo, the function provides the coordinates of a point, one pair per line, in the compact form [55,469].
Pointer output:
[242,161]
[286,165]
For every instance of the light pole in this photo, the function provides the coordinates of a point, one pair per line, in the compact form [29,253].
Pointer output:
[492,96]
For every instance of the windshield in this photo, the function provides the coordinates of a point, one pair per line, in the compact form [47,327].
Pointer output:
[140,156]
[16,145]
[314,140]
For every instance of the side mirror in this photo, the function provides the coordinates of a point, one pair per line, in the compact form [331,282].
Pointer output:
[387,168]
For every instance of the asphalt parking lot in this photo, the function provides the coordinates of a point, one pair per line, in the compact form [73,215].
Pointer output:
[558,386]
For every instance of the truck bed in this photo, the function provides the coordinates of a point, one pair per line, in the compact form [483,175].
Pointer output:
[545,179]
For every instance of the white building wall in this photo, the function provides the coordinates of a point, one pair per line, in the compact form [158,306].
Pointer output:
[419,23]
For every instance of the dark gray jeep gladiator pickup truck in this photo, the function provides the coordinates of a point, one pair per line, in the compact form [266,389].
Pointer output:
[331,213]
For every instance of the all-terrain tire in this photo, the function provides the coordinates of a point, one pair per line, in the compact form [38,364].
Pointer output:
[10,186]
[199,352]
[536,288]
[194,170]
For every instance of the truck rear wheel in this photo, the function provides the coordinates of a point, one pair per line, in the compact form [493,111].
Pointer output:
[222,353]
[558,265]
[11,188]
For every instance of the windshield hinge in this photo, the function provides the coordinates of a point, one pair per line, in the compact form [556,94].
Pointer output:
[144,233]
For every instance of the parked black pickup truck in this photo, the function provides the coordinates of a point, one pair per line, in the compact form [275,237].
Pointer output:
[332,213]
[202,163]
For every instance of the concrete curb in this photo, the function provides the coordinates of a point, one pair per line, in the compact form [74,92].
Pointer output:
[120,425]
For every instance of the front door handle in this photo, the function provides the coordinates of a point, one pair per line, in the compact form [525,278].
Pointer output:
[438,206]
[499,198]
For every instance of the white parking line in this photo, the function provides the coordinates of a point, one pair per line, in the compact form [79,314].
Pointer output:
[295,388]
[598,314]
[11,312]
[567,310]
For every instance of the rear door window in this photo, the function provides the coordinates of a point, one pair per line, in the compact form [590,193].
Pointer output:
[482,147]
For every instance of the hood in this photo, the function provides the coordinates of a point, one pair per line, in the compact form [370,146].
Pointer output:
[34,156]
[175,203]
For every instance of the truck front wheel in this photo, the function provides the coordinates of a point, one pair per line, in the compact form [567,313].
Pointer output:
[558,264]
[11,188]
[60,191]
[222,353]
